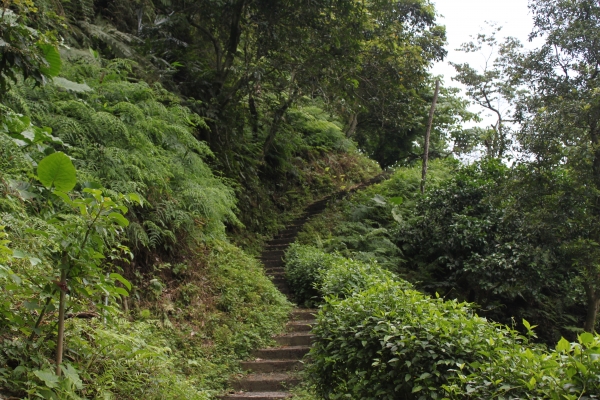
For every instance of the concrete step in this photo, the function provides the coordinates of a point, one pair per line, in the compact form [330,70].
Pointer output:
[304,314]
[300,326]
[272,365]
[279,242]
[295,339]
[257,395]
[274,270]
[272,254]
[272,263]
[281,353]
[276,246]
[290,235]
[267,382]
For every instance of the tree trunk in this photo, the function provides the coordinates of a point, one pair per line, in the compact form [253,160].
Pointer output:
[427,135]
[61,320]
[593,302]
[277,121]
[352,127]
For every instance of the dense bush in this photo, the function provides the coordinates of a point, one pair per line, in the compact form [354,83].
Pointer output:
[479,239]
[303,265]
[121,136]
[364,227]
[312,274]
[378,338]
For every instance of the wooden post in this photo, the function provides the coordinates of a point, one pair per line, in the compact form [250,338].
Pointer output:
[427,135]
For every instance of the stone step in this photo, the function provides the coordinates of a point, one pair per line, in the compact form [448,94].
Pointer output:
[300,326]
[272,254]
[272,365]
[284,289]
[295,339]
[304,314]
[257,395]
[272,263]
[274,270]
[276,246]
[279,241]
[281,353]
[268,382]
[285,234]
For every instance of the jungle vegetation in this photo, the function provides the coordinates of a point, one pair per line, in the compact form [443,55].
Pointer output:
[148,148]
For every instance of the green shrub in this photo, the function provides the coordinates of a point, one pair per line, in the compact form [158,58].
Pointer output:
[251,309]
[303,266]
[345,277]
[377,338]
[390,342]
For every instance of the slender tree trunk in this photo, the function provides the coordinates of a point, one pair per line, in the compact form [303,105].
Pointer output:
[276,122]
[61,320]
[593,303]
[427,135]
[253,115]
[275,127]
[352,127]
[592,294]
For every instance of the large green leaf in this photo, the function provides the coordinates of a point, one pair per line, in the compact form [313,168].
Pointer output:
[57,170]
[48,377]
[52,57]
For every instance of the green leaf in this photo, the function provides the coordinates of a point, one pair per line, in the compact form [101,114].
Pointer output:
[19,254]
[586,338]
[563,345]
[396,200]
[72,375]
[379,200]
[119,219]
[57,170]
[52,57]
[134,197]
[49,378]
[121,291]
[119,277]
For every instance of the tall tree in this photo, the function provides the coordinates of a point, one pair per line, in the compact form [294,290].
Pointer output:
[489,87]
[560,125]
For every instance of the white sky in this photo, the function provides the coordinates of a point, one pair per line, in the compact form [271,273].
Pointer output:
[464,18]
[467,17]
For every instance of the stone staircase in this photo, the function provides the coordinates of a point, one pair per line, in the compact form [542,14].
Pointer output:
[275,370]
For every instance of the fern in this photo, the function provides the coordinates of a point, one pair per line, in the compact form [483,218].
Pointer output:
[133,137]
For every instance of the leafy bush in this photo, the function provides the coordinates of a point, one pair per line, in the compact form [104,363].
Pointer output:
[303,265]
[126,136]
[346,277]
[250,309]
[377,338]
[364,227]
